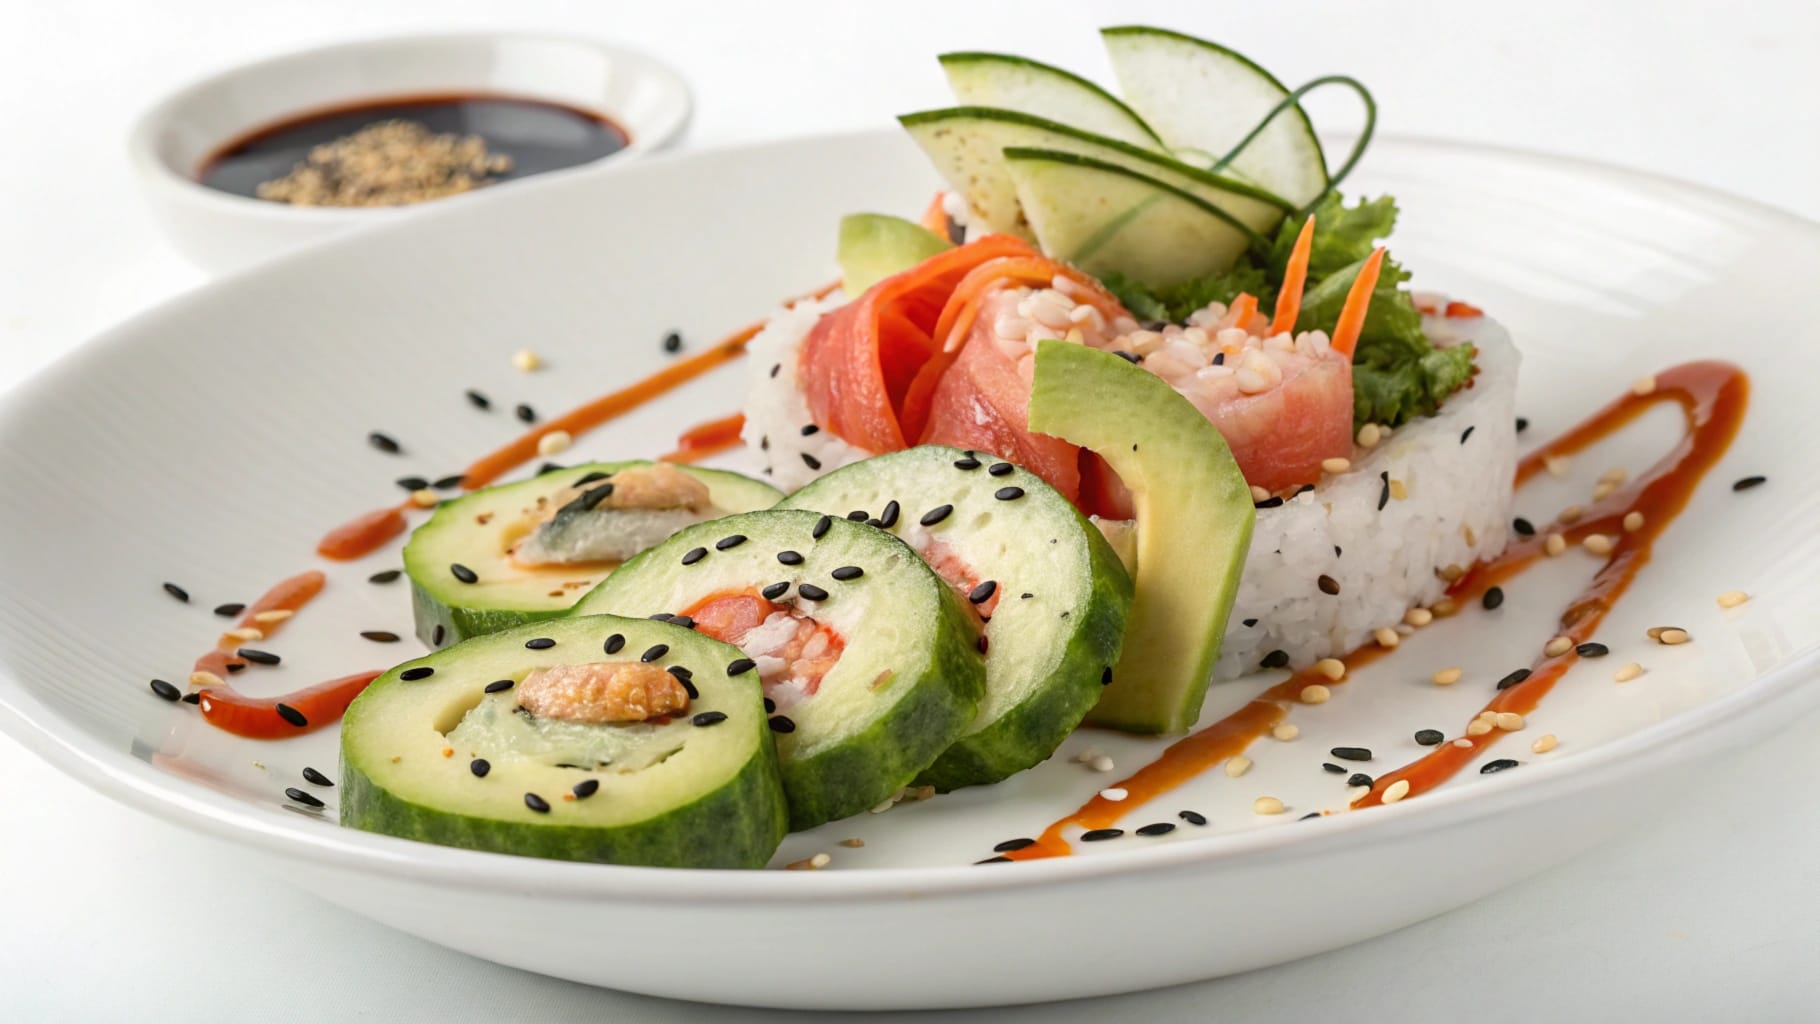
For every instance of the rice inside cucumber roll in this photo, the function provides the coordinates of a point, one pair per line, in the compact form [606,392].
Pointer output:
[870,661]
[596,738]
[526,551]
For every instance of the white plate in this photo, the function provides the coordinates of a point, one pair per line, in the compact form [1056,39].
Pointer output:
[212,441]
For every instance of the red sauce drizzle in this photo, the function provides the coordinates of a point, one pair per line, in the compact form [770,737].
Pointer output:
[258,717]
[363,534]
[705,439]
[1712,397]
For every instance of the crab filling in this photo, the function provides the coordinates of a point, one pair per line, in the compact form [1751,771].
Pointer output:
[790,649]
[612,519]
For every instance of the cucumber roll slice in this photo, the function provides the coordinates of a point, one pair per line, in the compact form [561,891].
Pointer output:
[1048,588]
[526,551]
[621,741]
[869,660]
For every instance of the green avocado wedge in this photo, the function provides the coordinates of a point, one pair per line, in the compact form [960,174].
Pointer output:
[699,789]
[1194,520]
[874,246]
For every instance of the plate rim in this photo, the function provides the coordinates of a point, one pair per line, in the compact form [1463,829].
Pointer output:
[1769,702]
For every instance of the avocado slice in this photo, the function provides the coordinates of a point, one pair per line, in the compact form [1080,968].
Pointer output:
[1194,519]
[874,246]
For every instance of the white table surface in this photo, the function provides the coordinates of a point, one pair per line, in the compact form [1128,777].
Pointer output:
[110,915]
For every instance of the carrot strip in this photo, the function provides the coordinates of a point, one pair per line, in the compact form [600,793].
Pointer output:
[705,439]
[1295,276]
[935,216]
[1358,301]
[1243,308]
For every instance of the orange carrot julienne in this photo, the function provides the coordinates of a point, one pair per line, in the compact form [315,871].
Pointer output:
[1358,300]
[1243,308]
[1295,275]
[935,217]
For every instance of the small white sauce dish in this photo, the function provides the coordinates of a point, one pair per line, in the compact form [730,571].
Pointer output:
[220,231]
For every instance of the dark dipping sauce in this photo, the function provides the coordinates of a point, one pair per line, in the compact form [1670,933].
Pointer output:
[538,135]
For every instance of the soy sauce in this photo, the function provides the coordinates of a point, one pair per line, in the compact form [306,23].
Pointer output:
[538,135]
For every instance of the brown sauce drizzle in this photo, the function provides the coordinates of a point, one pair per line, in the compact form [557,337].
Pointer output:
[1712,396]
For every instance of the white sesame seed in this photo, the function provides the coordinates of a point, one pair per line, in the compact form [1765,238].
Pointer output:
[1115,793]
[1509,721]
[1554,544]
[526,360]
[1643,386]
[1628,672]
[272,615]
[1395,791]
[1544,743]
[815,863]
[1446,677]
[1488,715]
[1463,744]
[1315,693]
[245,634]
[1332,668]
[1633,521]
[1286,732]
[1733,598]
[1558,646]
[1387,637]
[1369,435]
[1673,637]
[1557,465]
[1335,465]
[553,442]
[1237,766]
[206,679]
[1267,805]
[1598,543]
[1398,489]
[423,497]
[853,843]
[1571,514]
[1603,490]
[1086,755]
[1479,727]
[1442,607]
[1259,493]
[1100,763]
[1418,616]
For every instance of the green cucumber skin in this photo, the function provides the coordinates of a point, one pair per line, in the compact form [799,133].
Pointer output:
[865,768]
[1030,734]
[460,624]
[737,826]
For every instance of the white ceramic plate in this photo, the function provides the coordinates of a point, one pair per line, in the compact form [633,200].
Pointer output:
[212,441]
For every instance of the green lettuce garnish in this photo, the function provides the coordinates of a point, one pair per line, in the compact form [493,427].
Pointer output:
[1177,301]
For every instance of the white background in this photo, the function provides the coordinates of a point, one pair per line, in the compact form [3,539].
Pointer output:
[107,914]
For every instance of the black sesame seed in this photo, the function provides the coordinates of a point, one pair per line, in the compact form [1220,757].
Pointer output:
[379,636]
[1523,527]
[463,573]
[1360,779]
[969,462]
[525,413]
[315,778]
[228,611]
[590,478]
[1129,357]
[673,342]
[1008,493]
[1336,551]
[790,557]
[1328,584]
[1383,489]
[500,685]
[615,643]
[411,675]
[1310,814]
[936,515]
[811,592]
[781,724]
[858,515]
[1464,434]
[682,620]
[1000,468]
[1492,767]
[983,644]
[764,443]
[235,666]
[537,803]
[654,652]
[1275,659]
[480,767]
[257,657]
[177,592]
[1013,845]
[412,483]
[292,715]
[688,681]
[821,527]
[1106,676]
[775,367]
[811,461]
[1193,817]
[707,718]
[740,666]
[1352,753]
[694,555]
[447,482]
[166,690]
[888,518]
[586,788]
[729,542]
[383,443]
[1250,623]
[994,860]
[1100,835]
[770,705]
[192,698]
[810,430]
[478,400]
[1493,598]
[1274,501]
[385,576]
[306,799]
[1513,679]
[1161,828]
[1219,359]
[541,643]
[848,572]
[1522,424]
[1332,769]
[775,591]
[550,467]
[437,634]
[983,592]
[1746,483]
[1592,650]
[1429,737]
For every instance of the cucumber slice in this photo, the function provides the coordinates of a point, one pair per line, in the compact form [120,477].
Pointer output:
[697,789]
[1055,609]
[1107,219]
[967,146]
[1029,87]
[905,677]
[1194,519]
[481,531]
[1203,97]
[874,246]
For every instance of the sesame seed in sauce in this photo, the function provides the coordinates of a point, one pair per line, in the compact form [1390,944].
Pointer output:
[1493,767]
[1592,649]
[1418,617]
[1395,791]
[1643,386]
[1732,598]
[1195,818]
[1387,637]
[306,799]
[1746,483]
[291,715]
[205,679]
[1478,727]
[1554,544]
[463,573]
[1599,543]
[1557,465]
[811,592]
[858,515]
[1113,794]
[1013,845]
[1267,805]
[1463,744]
[775,591]
[166,690]
[707,718]
[537,803]
[257,657]
[1558,646]
[1250,623]
[385,576]
[384,443]
[1509,721]
[1332,668]
[989,860]
[1513,679]
[1100,835]
[416,672]
[1399,490]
